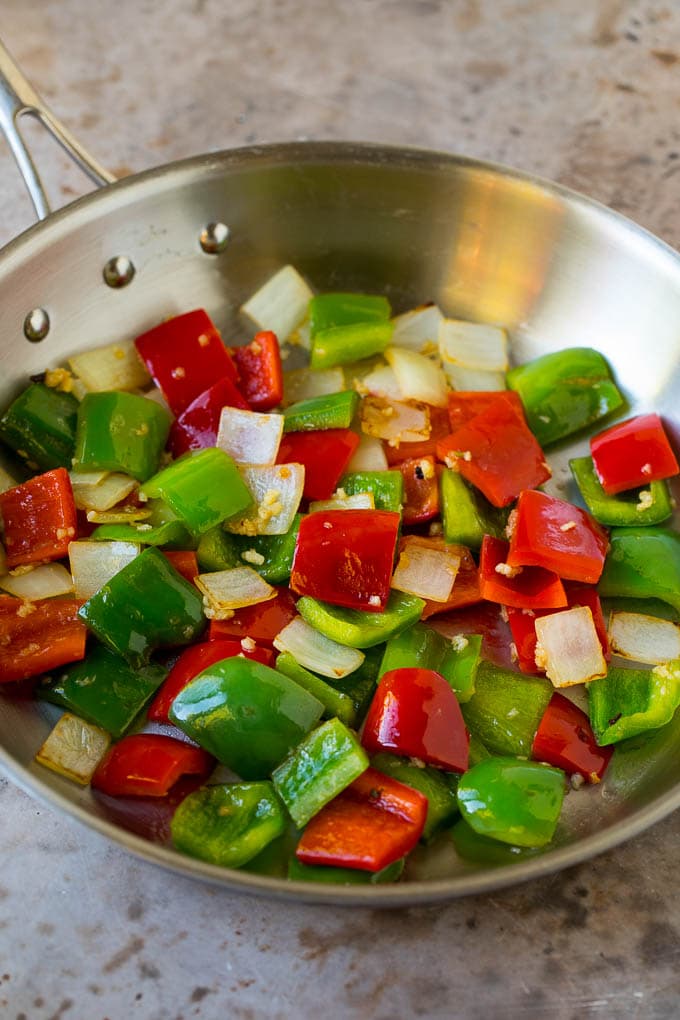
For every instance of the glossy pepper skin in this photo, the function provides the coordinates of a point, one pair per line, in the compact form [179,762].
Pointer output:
[340,308]
[46,638]
[197,426]
[422,646]
[643,563]
[330,411]
[472,846]
[148,765]
[463,405]
[261,622]
[40,426]
[387,487]
[345,557]
[260,375]
[467,516]
[565,739]
[626,509]
[439,788]
[357,628]
[340,345]
[531,588]
[324,454]
[415,713]
[39,519]
[632,453]
[120,432]
[335,703]
[146,605]
[506,709]
[514,801]
[628,702]
[421,489]
[247,715]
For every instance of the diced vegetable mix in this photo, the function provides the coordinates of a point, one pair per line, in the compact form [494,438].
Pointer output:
[248,557]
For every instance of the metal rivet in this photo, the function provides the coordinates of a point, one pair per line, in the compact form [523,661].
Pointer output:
[118,271]
[36,325]
[214,238]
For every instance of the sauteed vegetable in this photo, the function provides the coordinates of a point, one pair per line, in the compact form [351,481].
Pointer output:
[272,599]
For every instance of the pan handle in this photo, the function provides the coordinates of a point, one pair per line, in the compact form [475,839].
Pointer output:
[18,98]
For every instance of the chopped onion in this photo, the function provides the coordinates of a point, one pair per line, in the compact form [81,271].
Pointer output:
[74,748]
[226,590]
[568,648]
[474,345]
[467,379]
[395,421]
[112,367]
[341,501]
[368,456]
[100,490]
[119,515]
[6,480]
[280,304]
[304,383]
[317,652]
[381,381]
[427,573]
[44,582]
[418,329]
[95,563]
[250,437]
[644,638]
[419,378]
[276,490]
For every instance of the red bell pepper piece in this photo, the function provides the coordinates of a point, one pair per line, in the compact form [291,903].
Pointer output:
[523,625]
[415,713]
[559,536]
[148,765]
[38,636]
[566,740]
[375,821]
[465,591]
[40,518]
[184,561]
[496,452]
[531,588]
[197,426]
[465,405]
[259,371]
[346,557]
[439,428]
[185,356]
[261,622]
[421,489]
[632,453]
[325,453]
[194,660]
[486,619]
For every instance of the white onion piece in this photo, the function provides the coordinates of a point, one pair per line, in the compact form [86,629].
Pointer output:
[74,748]
[95,563]
[119,515]
[468,379]
[87,478]
[249,436]
[427,573]
[474,345]
[368,456]
[305,383]
[395,421]
[341,501]
[112,367]
[100,495]
[226,590]
[6,480]
[418,329]
[280,304]
[381,381]
[317,652]
[568,648]
[644,638]
[419,378]
[276,490]
[44,582]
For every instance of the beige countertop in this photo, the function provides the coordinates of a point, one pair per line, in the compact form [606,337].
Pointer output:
[584,93]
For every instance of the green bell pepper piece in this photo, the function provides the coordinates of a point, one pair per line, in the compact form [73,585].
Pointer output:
[247,715]
[506,708]
[340,345]
[228,824]
[457,660]
[318,769]
[345,309]
[466,515]
[439,788]
[626,508]
[120,432]
[564,391]
[274,860]
[361,685]
[203,488]
[161,528]
[514,801]
[220,550]
[299,872]
[628,702]
[335,703]
[387,487]
[472,846]
[146,605]
[356,627]
[330,411]
[40,426]
[104,690]
[642,563]
[477,751]
[217,549]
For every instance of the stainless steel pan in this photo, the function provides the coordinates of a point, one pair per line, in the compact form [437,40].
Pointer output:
[485,242]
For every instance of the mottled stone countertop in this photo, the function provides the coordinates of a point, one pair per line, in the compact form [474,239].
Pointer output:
[585,93]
